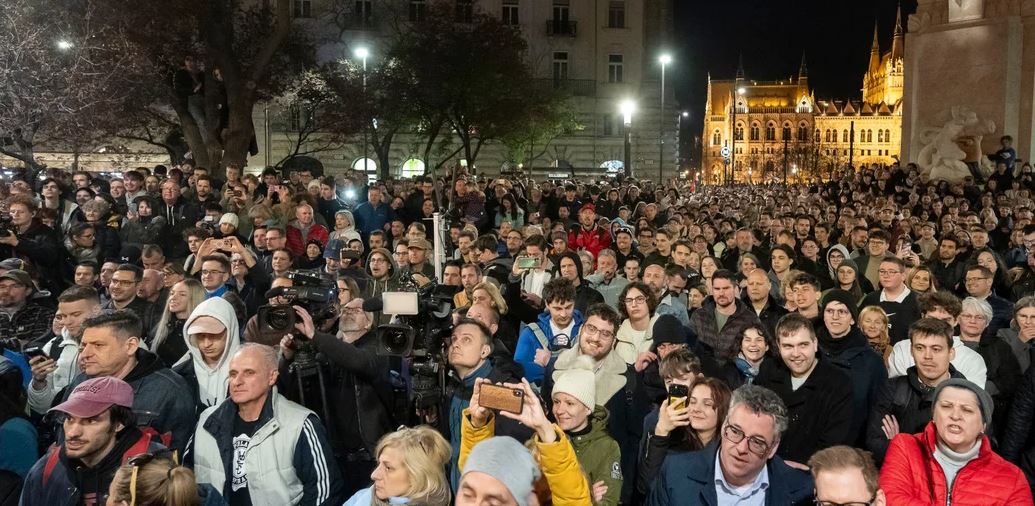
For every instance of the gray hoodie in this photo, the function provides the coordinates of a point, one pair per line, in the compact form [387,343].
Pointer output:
[213,381]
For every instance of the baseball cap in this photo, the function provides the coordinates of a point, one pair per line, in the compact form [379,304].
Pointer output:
[92,397]
[589,206]
[205,325]
[421,244]
[19,276]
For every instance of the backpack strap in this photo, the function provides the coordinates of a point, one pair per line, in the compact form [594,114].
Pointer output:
[53,456]
[537,331]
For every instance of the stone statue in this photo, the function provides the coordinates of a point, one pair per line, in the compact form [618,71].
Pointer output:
[942,157]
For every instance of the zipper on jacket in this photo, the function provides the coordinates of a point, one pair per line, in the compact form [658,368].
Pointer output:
[951,486]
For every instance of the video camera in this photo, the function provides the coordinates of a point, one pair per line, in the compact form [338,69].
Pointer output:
[311,292]
[425,314]
[6,225]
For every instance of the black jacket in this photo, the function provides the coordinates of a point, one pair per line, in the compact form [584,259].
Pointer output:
[864,367]
[1019,439]
[184,216]
[909,401]
[1004,376]
[770,315]
[359,391]
[40,246]
[819,412]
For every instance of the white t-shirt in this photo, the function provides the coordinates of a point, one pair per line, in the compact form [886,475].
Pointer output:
[968,362]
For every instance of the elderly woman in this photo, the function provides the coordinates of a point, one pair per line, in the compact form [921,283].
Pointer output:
[410,470]
[951,461]
[106,240]
[1004,372]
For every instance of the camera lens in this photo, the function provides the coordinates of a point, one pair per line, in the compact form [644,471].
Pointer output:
[281,318]
[395,341]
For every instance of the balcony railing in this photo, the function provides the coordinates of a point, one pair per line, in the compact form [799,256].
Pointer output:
[560,27]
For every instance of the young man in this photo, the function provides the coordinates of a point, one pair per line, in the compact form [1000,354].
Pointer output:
[897,301]
[556,330]
[903,404]
[100,434]
[846,475]
[805,290]
[587,234]
[723,317]
[663,239]
[818,394]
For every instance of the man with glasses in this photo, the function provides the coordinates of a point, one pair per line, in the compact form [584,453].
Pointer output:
[978,281]
[818,394]
[645,242]
[897,300]
[842,344]
[846,476]
[744,469]
[276,238]
[876,250]
[616,384]
[125,282]
[100,434]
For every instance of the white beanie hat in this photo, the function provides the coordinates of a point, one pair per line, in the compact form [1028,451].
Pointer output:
[230,218]
[579,381]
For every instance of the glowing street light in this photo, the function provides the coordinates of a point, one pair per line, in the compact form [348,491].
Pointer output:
[627,107]
[65,44]
[362,52]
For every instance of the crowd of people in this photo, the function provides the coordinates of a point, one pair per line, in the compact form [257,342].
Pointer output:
[862,340]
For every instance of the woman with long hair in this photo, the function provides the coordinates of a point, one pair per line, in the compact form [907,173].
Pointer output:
[509,211]
[921,280]
[143,226]
[167,336]
[410,470]
[873,322]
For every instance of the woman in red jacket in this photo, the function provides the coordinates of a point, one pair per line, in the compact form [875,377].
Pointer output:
[951,462]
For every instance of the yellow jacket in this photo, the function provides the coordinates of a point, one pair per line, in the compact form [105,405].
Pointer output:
[557,461]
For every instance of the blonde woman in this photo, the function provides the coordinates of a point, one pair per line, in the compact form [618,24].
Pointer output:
[157,481]
[874,324]
[167,335]
[487,292]
[410,470]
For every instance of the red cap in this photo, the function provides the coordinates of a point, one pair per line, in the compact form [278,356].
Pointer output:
[588,205]
[94,396]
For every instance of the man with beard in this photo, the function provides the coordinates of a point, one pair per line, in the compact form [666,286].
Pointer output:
[655,277]
[616,384]
[722,319]
[606,279]
[100,433]
[587,234]
[359,401]
[623,247]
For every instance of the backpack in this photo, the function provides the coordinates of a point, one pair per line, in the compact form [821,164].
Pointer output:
[141,446]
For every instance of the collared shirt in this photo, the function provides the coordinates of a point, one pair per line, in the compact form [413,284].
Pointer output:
[748,495]
[901,297]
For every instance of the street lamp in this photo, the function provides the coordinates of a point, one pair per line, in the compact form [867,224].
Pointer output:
[733,143]
[627,108]
[363,53]
[664,60]
[65,44]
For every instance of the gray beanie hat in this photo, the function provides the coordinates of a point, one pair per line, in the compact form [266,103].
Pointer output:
[984,400]
[505,459]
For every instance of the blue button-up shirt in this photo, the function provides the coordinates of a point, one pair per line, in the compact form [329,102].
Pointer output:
[748,495]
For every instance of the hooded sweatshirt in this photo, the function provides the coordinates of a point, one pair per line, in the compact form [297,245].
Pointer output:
[213,380]
[349,232]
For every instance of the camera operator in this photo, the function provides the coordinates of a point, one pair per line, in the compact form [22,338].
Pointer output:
[356,383]
[251,329]
[27,238]
[384,278]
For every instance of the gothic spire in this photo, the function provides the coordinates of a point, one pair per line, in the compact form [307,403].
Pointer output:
[740,66]
[898,44]
[803,72]
[875,50]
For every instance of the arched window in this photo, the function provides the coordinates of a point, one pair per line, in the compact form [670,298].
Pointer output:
[803,133]
[754,131]
[816,137]
[887,136]
[880,135]
[770,132]
[844,138]
[738,133]
[786,133]
[869,136]
[716,138]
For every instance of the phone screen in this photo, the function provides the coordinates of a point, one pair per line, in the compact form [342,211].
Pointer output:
[528,262]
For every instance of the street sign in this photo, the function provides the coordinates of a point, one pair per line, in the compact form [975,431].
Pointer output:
[725,151]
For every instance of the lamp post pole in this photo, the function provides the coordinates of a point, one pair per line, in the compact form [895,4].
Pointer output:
[664,60]
[627,107]
[363,53]
[733,130]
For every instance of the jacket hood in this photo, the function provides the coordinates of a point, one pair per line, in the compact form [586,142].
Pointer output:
[213,380]
[392,268]
[844,252]
[575,258]
[598,425]
[147,363]
[544,320]
[351,226]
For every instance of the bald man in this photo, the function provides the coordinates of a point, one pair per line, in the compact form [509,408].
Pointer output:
[758,289]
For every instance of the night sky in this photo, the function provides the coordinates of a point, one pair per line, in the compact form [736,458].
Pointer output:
[834,34]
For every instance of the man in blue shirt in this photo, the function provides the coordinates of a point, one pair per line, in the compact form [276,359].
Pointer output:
[741,467]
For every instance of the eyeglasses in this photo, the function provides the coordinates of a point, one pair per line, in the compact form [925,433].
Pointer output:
[123,282]
[212,273]
[854,503]
[591,330]
[977,279]
[757,445]
[635,300]
[884,272]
